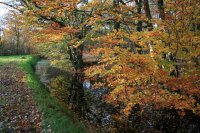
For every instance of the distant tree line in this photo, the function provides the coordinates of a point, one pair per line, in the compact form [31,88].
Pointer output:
[14,35]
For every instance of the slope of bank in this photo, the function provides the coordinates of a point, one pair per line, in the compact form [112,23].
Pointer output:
[28,91]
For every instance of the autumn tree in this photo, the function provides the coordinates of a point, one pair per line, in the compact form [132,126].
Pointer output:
[64,18]
[130,50]
[137,78]
[16,33]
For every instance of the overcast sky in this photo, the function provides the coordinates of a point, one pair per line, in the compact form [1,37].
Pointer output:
[3,8]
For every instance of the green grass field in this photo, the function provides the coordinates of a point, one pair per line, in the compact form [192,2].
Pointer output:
[60,119]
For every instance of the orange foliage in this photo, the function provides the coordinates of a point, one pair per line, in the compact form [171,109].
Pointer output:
[131,77]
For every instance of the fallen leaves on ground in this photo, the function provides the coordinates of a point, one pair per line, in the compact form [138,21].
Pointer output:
[18,111]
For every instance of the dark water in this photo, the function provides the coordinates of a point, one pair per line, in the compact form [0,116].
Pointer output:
[41,69]
[149,121]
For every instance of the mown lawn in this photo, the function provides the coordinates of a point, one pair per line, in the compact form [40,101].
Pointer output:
[60,119]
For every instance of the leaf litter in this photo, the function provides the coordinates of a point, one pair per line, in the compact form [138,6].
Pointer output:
[18,112]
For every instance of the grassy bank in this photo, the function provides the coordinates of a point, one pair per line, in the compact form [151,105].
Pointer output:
[57,116]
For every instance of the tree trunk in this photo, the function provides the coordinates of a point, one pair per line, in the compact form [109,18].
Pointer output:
[17,33]
[148,14]
[116,23]
[18,44]
[77,96]
[161,9]
[147,9]
[139,11]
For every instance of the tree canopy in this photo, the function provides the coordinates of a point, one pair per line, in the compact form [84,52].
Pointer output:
[146,51]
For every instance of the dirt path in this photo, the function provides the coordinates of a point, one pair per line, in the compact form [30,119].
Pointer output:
[18,113]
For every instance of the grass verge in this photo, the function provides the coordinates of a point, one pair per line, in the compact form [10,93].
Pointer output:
[57,116]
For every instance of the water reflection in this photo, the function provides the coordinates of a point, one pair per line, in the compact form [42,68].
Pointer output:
[41,68]
[147,121]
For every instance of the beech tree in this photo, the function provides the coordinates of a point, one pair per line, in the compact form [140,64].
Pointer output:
[135,78]
[130,50]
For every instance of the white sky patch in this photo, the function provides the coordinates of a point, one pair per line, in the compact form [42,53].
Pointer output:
[3,9]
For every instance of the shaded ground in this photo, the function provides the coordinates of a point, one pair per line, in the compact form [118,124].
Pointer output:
[18,111]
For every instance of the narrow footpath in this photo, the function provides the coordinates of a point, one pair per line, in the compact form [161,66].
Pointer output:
[18,113]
